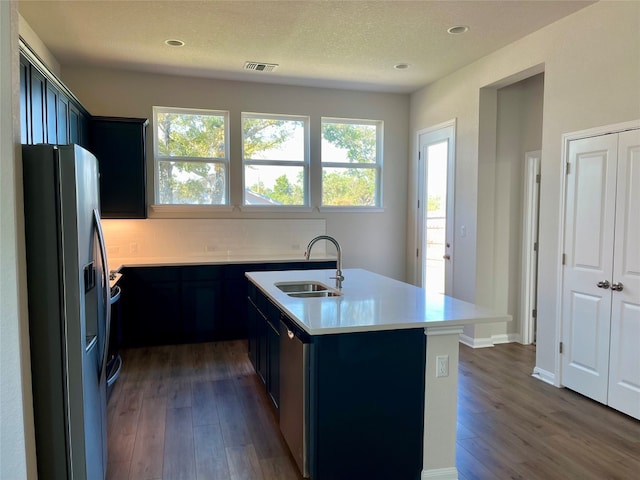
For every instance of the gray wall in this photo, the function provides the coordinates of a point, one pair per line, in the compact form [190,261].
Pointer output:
[375,240]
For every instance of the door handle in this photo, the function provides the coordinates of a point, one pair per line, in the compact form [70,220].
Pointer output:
[617,287]
[447,257]
[604,284]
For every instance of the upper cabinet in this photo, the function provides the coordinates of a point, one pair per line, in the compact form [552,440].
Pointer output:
[49,113]
[119,144]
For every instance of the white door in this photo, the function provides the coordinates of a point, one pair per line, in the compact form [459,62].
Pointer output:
[624,370]
[531,204]
[435,207]
[588,249]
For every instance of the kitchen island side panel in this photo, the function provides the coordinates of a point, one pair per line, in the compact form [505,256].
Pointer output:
[367,405]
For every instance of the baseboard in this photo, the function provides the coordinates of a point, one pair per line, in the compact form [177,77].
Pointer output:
[450,473]
[544,375]
[488,341]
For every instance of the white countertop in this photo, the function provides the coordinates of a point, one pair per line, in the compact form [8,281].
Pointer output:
[116,264]
[369,302]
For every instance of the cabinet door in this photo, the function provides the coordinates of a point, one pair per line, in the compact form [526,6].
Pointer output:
[38,107]
[252,332]
[201,309]
[273,360]
[52,113]
[74,124]
[624,370]
[63,119]
[25,102]
[119,144]
[261,330]
[589,224]
[151,306]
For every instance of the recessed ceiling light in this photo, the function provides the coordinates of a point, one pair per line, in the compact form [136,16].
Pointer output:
[458,29]
[401,66]
[174,43]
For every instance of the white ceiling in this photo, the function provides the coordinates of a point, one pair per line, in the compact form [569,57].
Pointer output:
[341,44]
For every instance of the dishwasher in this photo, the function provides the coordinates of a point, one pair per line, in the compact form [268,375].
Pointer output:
[294,391]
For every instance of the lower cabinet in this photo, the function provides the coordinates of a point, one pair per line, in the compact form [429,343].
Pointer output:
[359,404]
[264,341]
[165,305]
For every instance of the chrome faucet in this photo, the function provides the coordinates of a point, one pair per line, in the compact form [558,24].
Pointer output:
[339,278]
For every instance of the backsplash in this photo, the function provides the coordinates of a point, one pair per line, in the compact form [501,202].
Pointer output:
[208,237]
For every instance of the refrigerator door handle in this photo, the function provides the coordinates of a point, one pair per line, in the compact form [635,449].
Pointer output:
[106,292]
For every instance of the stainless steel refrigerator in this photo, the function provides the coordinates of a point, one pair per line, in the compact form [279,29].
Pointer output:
[69,300]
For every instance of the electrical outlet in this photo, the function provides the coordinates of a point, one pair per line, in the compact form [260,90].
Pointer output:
[442,366]
[133,248]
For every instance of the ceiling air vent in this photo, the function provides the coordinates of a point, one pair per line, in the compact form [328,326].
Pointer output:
[260,67]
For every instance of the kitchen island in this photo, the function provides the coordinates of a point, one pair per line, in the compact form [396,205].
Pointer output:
[379,393]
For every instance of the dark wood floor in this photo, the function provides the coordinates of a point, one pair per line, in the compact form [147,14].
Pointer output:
[199,412]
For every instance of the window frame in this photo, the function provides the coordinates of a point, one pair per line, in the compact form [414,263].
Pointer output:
[377,165]
[224,161]
[305,163]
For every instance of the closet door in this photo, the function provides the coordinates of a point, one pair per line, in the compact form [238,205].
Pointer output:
[624,370]
[588,248]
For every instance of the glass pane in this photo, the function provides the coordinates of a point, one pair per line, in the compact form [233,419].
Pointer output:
[436,220]
[190,135]
[273,139]
[198,183]
[354,187]
[348,143]
[273,185]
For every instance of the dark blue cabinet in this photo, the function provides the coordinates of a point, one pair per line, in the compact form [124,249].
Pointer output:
[264,341]
[38,86]
[120,145]
[49,112]
[365,396]
[203,303]
[25,102]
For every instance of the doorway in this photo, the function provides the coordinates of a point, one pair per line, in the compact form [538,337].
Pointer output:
[436,154]
[530,220]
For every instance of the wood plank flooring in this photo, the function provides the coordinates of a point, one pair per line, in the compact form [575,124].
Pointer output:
[199,412]
[513,426]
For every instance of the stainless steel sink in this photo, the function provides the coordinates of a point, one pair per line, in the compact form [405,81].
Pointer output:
[325,293]
[307,289]
[301,287]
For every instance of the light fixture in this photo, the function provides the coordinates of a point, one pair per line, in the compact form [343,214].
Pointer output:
[458,29]
[174,43]
[401,66]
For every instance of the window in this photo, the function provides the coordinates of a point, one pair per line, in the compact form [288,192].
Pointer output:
[276,160]
[351,163]
[192,156]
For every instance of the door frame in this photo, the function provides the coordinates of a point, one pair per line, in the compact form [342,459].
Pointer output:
[566,139]
[531,212]
[422,201]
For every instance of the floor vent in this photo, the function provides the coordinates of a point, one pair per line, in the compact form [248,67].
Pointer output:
[260,67]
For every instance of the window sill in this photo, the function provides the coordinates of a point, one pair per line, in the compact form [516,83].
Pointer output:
[351,209]
[274,209]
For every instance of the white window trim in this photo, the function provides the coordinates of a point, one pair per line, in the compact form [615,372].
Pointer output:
[189,208]
[305,164]
[378,166]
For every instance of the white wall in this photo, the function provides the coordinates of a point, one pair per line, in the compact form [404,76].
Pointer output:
[375,241]
[591,62]
[512,126]
[17,442]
